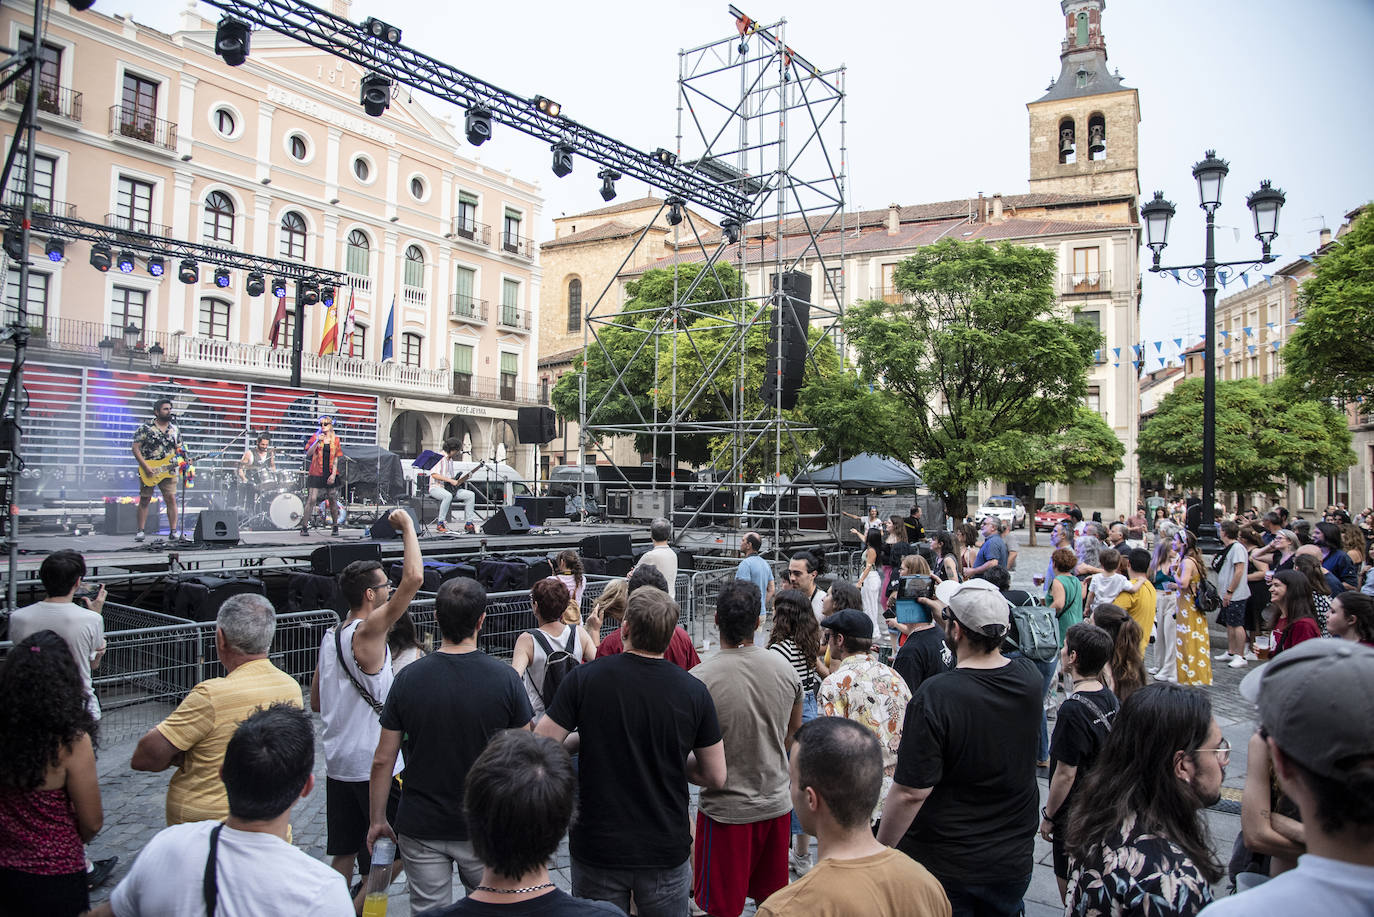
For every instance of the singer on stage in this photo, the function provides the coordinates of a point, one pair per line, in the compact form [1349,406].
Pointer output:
[322,452]
[155,446]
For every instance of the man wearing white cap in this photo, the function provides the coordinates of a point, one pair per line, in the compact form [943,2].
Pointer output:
[964,801]
[1316,717]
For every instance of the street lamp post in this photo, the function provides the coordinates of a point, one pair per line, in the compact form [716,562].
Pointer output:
[1264,205]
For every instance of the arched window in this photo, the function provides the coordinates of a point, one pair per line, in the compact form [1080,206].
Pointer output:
[1068,142]
[574,305]
[219,218]
[293,235]
[415,267]
[358,253]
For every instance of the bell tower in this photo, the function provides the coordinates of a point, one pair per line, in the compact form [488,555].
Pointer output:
[1083,130]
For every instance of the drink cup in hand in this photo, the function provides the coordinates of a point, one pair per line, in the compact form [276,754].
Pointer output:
[1038,579]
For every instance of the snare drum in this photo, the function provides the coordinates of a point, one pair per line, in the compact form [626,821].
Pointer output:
[286,510]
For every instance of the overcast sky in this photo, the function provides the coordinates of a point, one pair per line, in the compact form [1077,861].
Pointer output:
[937,94]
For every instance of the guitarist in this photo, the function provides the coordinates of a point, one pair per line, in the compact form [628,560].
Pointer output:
[445,485]
[155,448]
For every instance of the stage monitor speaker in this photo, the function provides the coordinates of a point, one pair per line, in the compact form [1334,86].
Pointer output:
[216,526]
[605,545]
[382,531]
[507,520]
[536,424]
[331,559]
[540,509]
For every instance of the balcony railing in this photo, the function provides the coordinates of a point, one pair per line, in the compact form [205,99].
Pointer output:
[52,99]
[471,386]
[1085,283]
[472,231]
[136,124]
[85,337]
[42,207]
[465,308]
[511,317]
[360,283]
[124,223]
[893,295]
[414,296]
[516,245]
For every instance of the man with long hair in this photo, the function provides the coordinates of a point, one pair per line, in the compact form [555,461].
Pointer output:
[1135,828]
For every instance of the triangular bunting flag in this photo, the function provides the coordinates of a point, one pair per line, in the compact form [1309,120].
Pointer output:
[1178,342]
[1226,351]
[1252,348]
[1116,351]
[1269,279]
[1175,273]
[1249,331]
[1158,344]
[1246,278]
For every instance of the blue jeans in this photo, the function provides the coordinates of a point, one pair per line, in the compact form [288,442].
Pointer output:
[810,710]
[1047,670]
[657,892]
[993,899]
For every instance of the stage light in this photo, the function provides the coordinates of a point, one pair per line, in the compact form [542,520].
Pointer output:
[478,126]
[327,295]
[125,262]
[14,243]
[81,5]
[378,29]
[278,287]
[562,159]
[663,157]
[100,257]
[189,272]
[309,292]
[375,94]
[222,277]
[731,228]
[157,265]
[56,249]
[254,284]
[608,179]
[548,106]
[231,41]
[674,210]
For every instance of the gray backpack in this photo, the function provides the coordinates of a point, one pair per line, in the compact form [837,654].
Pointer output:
[1036,630]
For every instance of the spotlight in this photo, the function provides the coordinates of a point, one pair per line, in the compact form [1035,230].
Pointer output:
[56,249]
[548,106]
[100,257]
[278,288]
[231,41]
[663,157]
[309,292]
[157,265]
[254,283]
[381,30]
[327,295]
[222,277]
[674,210]
[125,262]
[14,243]
[608,179]
[81,5]
[731,228]
[562,159]
[189,272]
[478,126]
[375,94]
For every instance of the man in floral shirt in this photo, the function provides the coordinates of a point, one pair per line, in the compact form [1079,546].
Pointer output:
[862,689]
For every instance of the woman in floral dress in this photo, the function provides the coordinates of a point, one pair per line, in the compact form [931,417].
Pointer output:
[1194,642]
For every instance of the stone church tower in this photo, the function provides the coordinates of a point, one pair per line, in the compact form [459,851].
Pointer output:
[1083,131]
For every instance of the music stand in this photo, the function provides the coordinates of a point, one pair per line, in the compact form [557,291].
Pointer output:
[424,462]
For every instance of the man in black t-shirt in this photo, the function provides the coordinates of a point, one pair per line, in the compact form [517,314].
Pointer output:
[442,709]
[963,800]
[915,530]
[925,652]
[645,729]
[1080,731]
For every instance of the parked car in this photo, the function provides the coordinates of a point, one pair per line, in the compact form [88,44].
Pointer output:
[1051,514]
[1005,507]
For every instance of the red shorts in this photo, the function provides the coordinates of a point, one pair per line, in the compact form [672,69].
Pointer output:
[732,862]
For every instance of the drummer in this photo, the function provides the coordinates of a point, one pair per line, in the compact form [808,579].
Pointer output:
[259,461]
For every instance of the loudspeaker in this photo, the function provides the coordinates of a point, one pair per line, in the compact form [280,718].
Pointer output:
[786,350]
[535,424]
[381,529]
[604,545]
[198,597]
[331,559]
[507,520]
[216,526]
[538,509]
[122,518]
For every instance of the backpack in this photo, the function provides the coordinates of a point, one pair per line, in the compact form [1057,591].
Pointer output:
[1036,630]
[1206,600]
[557,664]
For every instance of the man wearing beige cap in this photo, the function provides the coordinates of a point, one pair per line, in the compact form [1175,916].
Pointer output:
[964,802]
[1316,717]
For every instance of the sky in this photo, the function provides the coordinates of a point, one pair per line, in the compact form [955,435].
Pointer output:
[937,94]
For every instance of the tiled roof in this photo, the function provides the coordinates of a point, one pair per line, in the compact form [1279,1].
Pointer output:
[563,356]
[611,230]
[623,206]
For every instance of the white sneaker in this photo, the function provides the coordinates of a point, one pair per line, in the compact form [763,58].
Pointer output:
[799,865]
[1238,663]
[1153,670]
[1250,656]
[138,537]
[1223,655]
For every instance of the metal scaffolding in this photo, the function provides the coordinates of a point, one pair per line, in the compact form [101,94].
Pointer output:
[757,116]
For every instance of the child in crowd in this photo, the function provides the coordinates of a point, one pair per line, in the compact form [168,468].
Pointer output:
[1107,585]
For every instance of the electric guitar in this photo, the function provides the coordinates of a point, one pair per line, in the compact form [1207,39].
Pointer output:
[161,470]
[452,486]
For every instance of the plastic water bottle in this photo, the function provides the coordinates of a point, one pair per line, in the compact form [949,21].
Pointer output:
[383,855]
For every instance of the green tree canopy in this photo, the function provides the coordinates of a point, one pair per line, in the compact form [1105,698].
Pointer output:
[1264,434]
[1329,354]
[975,366]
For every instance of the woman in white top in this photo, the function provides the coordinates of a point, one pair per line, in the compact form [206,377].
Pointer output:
[550,598]
[567,569]
[870,580]
[403,642]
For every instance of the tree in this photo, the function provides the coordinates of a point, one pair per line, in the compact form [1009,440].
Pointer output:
[1264,434]
[1329,353]
[981,371]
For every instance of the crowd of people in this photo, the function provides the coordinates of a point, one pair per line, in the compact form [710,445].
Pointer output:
[904,732]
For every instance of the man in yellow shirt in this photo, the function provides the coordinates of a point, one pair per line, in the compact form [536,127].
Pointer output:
[1140,605]
[193,738]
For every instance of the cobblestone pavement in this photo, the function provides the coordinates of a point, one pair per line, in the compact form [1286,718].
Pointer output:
[133,801]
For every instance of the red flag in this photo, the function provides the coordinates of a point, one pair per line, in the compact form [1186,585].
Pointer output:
[276,322]
[349,321]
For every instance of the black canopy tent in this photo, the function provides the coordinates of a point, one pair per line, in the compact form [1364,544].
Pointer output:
[868,471]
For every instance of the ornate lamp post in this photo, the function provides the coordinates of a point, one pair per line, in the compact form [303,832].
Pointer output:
[1264,205]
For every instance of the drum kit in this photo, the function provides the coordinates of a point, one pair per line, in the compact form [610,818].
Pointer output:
[270,498]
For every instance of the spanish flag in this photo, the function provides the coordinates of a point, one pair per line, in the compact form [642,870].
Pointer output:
[330,344]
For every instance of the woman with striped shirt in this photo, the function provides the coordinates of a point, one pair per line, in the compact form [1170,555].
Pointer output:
[797,636]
